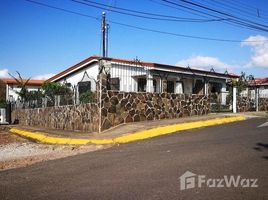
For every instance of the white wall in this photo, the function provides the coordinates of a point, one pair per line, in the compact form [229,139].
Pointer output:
[92,70]
[263,92]
[12,90]
[127,75]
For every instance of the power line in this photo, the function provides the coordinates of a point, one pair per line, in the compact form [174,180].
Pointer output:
[135,15]
[220,12]
[195,12]
[248,7]
[142,28]
[155,14]
[176,34]
[235,19]
[64,10]
[144,15]
[175,7]
[245,5]
[232,8]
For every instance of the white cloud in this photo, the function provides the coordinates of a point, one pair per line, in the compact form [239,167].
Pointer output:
[43,76]
[205,63]
[4,73]
[259,48]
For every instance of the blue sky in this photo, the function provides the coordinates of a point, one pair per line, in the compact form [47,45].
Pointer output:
[37,41]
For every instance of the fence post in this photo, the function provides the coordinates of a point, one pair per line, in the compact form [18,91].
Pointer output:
[257,99]
[164,85]
[234,100]
[8,112]
[149,85]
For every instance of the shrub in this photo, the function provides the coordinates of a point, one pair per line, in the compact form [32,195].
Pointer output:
[87,97]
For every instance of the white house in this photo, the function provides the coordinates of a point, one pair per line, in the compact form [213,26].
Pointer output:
[11,87]
[260,85]
[140,76]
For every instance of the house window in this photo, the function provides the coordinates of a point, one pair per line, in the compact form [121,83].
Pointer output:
[170,86]
[142,85]
[68,84]
[215,87]
[84,87]
[114,84]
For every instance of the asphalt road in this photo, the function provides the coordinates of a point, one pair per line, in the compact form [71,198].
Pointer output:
[151,169]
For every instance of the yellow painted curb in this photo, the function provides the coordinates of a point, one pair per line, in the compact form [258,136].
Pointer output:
[130,137]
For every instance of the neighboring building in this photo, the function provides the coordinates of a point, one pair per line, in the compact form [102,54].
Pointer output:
[10,88]
[260,84]
[139,76]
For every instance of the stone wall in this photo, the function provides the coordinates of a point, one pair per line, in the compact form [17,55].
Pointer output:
[126,107]
[263,104]
[117,108]
[83,117]
[245,104]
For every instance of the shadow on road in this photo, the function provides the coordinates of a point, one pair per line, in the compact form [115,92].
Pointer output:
[261,147]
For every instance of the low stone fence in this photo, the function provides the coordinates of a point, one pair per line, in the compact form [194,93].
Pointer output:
[263,104]
[83,117]
[117,108]
[126,107]
[245,104]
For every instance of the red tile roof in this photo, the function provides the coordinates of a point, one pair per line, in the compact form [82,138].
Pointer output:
[259,81]
[143,63]
[30,82]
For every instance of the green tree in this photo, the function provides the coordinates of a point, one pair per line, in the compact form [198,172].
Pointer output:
[241,84]
[52,89]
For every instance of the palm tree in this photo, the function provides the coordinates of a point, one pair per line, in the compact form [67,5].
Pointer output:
[22,83]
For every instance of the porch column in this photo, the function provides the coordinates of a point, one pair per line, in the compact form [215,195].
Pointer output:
[223,94]
[234,99]
[164,85]
[257,99]
[178,86]
[158,85]
[150,83]
[206,87]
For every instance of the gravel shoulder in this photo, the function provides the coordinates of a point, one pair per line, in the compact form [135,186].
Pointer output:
[19,152]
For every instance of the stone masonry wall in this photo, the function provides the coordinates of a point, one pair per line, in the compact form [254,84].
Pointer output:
[263,104]
[126,107]
[83,117]
[117,108]
[245,104]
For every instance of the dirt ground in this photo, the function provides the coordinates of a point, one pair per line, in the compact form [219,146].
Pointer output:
[19,152]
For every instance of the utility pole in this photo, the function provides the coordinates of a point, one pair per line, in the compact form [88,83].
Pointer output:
[101,76]
[104,29]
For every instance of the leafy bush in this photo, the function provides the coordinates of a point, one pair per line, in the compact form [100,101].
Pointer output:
[87,97]
[52,89]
